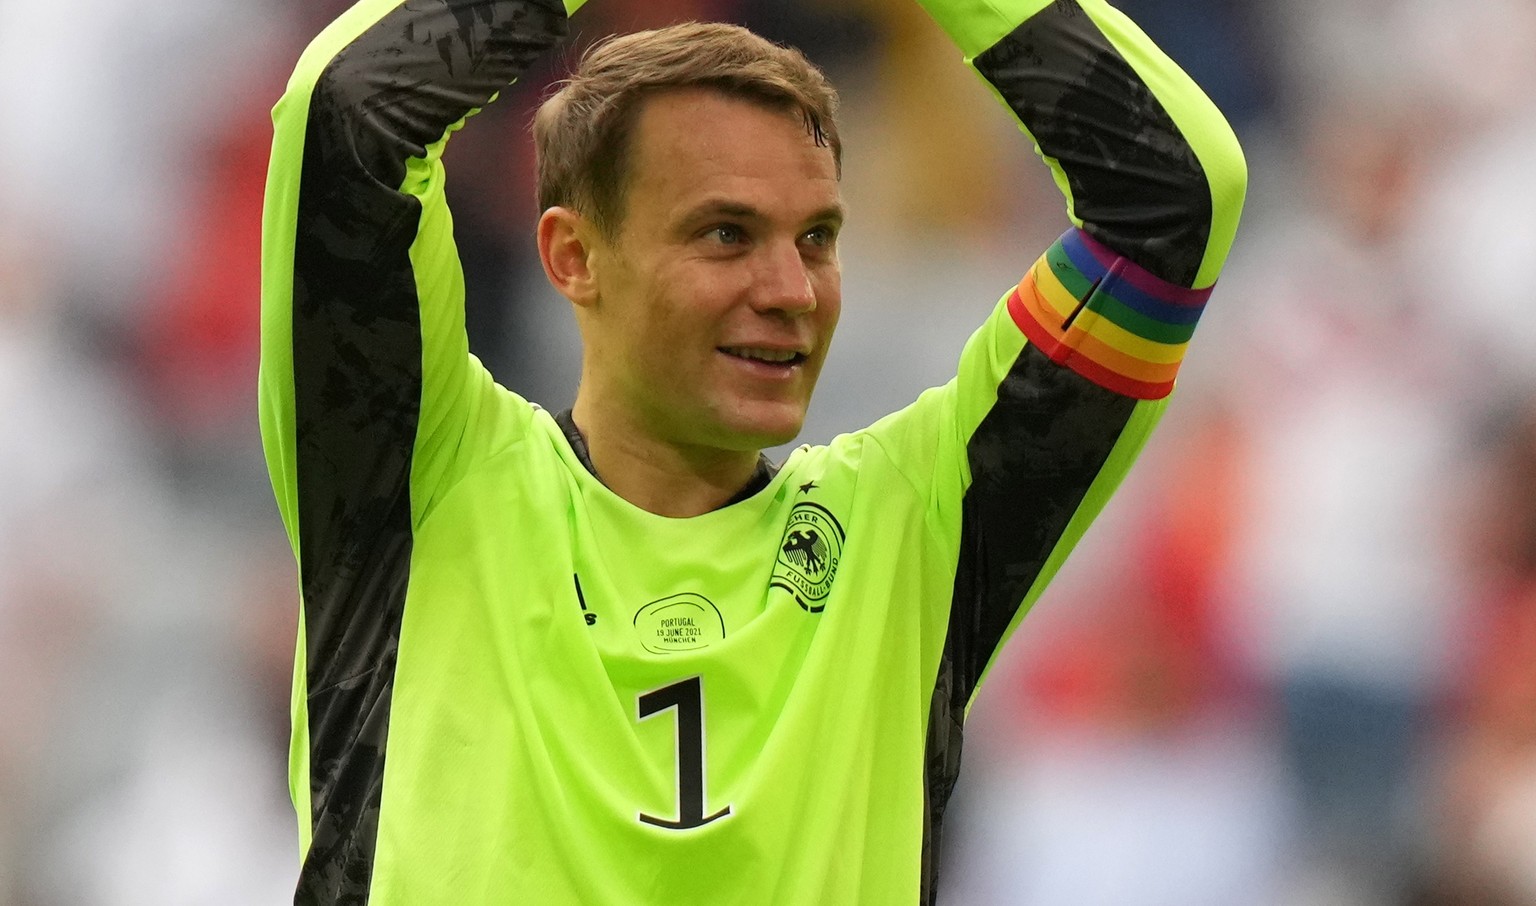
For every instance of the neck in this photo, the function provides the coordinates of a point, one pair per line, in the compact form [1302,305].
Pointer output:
[661,477]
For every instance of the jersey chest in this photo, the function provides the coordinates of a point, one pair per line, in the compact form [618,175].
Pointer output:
[644,710]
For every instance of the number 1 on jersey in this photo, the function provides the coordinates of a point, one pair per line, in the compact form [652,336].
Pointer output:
[688,698]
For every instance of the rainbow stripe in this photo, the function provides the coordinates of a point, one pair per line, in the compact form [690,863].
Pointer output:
[1097,313]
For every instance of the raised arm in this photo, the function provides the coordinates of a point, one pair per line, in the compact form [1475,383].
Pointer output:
[366,380]
[1057,393]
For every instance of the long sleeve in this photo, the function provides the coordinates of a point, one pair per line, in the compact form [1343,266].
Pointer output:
[366,379]
[1056,394]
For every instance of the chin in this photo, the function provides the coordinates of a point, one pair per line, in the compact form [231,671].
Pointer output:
[755,440]
[758,431]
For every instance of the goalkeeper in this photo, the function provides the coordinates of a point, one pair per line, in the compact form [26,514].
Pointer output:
[615,655]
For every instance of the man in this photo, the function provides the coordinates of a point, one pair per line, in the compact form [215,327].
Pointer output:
[614,656]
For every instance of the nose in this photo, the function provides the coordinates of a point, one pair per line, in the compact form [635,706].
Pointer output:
[783,281]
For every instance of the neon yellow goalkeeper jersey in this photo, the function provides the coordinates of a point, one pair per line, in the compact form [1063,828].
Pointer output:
[512,686]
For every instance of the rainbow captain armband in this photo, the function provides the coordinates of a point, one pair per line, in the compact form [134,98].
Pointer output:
[1105,318]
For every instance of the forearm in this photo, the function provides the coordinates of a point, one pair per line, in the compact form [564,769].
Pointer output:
[1148,165]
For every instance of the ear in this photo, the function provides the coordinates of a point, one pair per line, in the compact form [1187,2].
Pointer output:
[566,242]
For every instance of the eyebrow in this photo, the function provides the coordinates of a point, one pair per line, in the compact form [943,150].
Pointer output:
[721,207]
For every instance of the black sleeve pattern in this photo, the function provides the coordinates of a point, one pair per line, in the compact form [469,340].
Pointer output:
[357,370]
[1139,188]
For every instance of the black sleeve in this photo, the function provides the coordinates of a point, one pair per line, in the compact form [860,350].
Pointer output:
[363,352]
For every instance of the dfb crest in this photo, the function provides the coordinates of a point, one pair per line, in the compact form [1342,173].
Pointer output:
[808,555]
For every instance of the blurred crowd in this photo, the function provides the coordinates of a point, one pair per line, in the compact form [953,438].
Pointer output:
[1294,664]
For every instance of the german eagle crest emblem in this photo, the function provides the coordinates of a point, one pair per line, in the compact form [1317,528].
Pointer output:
[808,555]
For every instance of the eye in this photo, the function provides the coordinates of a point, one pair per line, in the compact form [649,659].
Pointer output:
[820,236]
[726,234]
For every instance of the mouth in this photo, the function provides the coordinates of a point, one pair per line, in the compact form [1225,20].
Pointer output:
[778,359]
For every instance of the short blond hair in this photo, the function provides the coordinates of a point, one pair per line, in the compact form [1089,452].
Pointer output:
[583,130]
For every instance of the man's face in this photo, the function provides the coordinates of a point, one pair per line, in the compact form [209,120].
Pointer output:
[717,300]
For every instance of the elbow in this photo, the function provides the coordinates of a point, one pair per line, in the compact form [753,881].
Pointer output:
[1172,207]
[294,101]
[331,94]
[1183,226]
[1226,178]
[1226,173]
[312,78]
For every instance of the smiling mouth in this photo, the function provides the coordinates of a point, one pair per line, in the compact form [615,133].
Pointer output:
[780,357]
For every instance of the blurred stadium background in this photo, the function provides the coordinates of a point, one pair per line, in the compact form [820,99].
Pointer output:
[1295,663]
